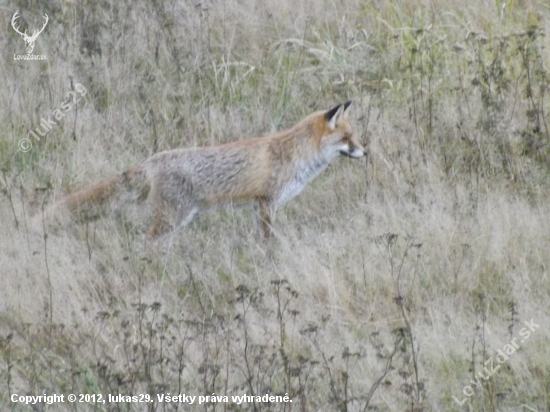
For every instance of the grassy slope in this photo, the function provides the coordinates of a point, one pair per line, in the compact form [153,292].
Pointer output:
[390,281]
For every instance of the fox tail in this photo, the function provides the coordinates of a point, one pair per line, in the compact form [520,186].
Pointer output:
[91,201]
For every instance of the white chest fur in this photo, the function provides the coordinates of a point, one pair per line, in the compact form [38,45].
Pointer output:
[305,172]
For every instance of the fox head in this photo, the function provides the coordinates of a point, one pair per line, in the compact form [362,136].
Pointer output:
[337,136]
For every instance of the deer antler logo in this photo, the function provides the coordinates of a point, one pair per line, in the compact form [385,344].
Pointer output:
[29,40]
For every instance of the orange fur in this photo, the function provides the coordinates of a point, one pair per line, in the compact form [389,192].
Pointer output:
[269,170]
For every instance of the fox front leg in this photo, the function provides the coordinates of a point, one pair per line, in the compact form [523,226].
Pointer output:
[266,214]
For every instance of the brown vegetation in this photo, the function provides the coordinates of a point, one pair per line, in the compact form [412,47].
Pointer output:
[389,282]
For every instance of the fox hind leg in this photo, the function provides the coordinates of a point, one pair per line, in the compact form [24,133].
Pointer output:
[160,223]
[172,205]
[168,218]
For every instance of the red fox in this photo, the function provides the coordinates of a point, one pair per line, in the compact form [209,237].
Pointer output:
[270,170]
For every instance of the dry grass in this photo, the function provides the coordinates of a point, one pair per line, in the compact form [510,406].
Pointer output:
[389,283]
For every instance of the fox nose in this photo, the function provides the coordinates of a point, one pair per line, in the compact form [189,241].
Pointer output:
[357,152]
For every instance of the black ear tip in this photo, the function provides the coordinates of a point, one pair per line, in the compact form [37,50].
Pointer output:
[330,114]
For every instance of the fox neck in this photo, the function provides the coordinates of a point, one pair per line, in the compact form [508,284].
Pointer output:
[305,171]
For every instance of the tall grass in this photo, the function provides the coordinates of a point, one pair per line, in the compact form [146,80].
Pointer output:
[390,282]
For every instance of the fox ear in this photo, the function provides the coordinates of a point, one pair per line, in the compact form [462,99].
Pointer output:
[346,107]
[333,116]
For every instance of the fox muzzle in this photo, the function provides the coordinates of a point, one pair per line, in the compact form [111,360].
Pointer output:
[354,152]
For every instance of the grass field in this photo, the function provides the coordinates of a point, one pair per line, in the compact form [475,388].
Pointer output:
[391,283]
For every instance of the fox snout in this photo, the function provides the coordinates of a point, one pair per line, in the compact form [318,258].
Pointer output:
[355,151]
[351,148]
